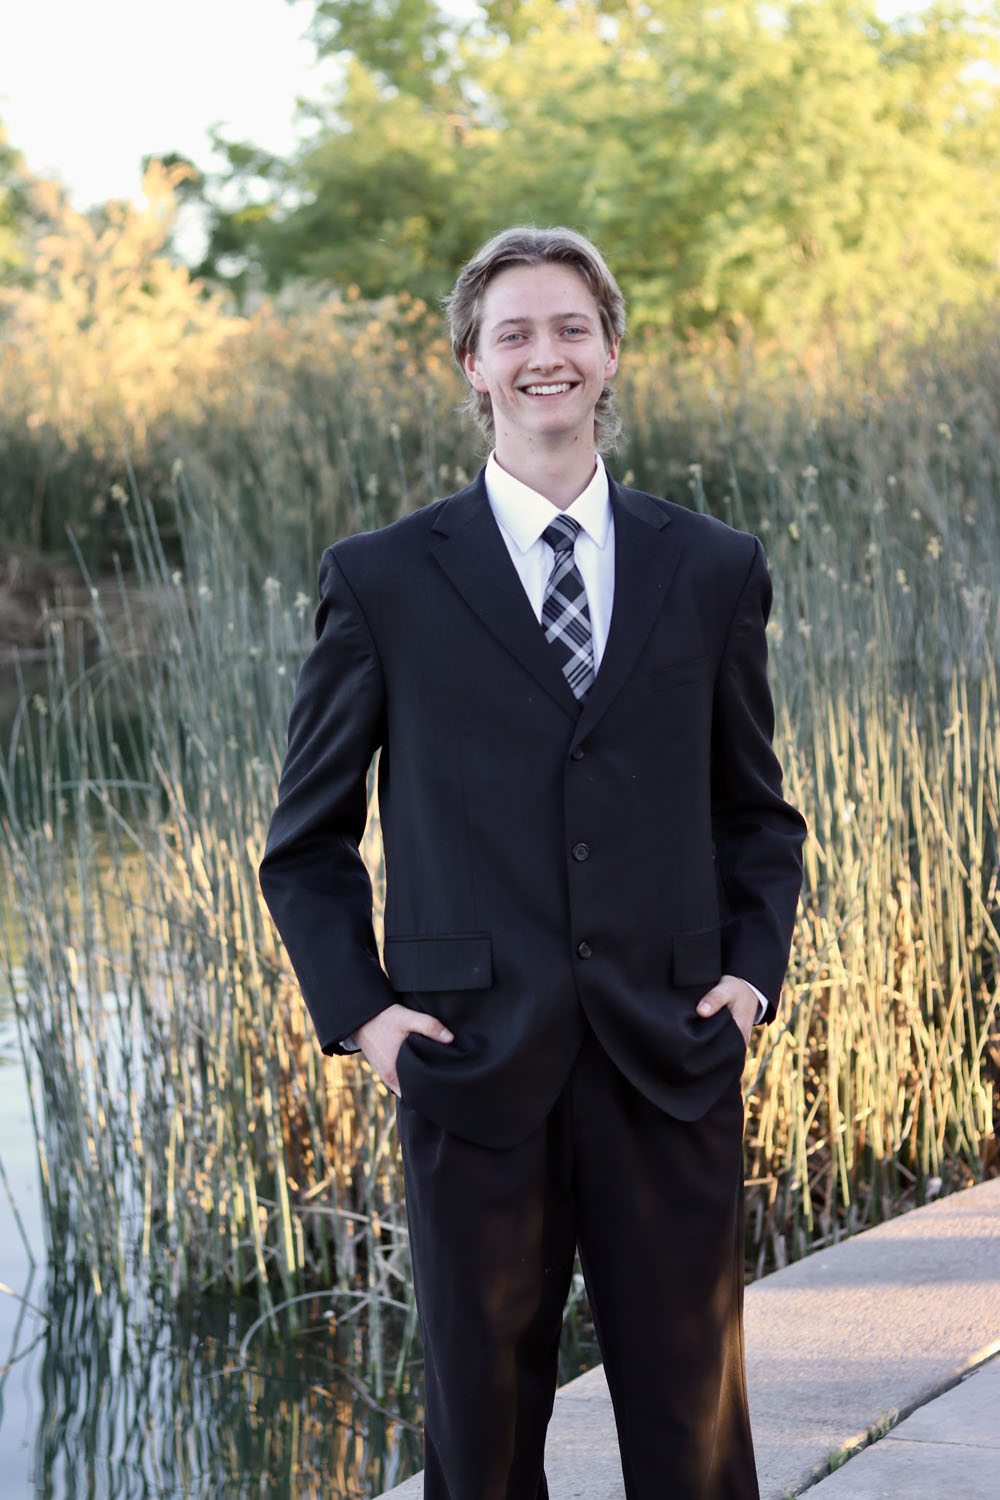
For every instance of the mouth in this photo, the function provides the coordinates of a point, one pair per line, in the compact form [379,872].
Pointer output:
[556,389]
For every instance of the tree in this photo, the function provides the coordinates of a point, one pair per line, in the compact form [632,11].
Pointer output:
[785,165]
[109,335]
[13,207]
[407,44]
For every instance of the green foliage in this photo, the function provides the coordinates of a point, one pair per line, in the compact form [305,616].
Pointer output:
[395,152]
[791,165]
[105,338]
[406,42]
[12,207]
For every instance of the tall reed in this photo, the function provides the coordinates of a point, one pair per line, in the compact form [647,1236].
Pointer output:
[872,1092]
[189,1133]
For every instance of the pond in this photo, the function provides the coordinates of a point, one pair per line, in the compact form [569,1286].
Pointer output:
[141,1399]
[151,1398]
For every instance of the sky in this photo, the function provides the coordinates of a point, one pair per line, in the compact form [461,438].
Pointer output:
[87,89]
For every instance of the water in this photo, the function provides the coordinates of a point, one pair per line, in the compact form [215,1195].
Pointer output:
[151,1399]
[20,1328]
[103,1399]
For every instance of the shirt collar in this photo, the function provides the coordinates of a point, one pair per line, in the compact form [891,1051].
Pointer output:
[524,513]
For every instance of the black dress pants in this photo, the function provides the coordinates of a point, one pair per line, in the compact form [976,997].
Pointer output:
[655,1206]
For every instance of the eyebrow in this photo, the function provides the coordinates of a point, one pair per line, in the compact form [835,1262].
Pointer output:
[563,317]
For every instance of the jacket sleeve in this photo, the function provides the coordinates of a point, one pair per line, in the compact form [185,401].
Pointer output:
[312,875]
[757,835]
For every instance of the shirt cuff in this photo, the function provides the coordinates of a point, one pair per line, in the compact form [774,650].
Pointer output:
[761,1003]
[350,1043]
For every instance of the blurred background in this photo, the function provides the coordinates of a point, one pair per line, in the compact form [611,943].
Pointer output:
[224,231]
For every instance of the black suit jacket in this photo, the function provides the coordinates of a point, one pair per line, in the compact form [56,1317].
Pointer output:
[548,865]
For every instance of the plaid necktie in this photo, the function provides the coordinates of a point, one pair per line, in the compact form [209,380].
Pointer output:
[565,616]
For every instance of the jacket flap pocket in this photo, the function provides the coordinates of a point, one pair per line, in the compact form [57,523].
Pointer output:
[698,957]
[462,962]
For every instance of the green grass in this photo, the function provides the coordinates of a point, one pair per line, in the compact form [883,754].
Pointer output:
[190,1134]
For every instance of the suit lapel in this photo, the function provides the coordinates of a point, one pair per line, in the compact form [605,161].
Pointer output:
[470,549]
[646,556]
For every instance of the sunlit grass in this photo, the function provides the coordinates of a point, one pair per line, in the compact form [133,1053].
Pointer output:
[190,1134]
[871,1093]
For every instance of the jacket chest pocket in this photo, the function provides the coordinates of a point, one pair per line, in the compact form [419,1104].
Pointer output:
[677,673]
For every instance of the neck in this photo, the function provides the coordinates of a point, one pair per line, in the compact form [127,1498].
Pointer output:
[560,476]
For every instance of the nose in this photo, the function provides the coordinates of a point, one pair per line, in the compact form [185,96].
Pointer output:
[546,354]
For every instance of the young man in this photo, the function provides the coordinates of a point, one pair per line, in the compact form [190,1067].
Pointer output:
[591,884]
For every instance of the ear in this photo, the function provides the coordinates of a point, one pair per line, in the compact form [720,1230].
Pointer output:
[472,371]
[611,363]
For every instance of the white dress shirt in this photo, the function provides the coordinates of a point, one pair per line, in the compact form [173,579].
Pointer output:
[523,514]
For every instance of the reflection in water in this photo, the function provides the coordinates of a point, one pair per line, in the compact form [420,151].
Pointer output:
[101,1396]
[131,1398]
[163,1404]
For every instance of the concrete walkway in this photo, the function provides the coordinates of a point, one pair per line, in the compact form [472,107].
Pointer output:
[839,1347]
[948,1448]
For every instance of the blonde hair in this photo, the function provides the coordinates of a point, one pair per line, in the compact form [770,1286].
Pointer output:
[528,246]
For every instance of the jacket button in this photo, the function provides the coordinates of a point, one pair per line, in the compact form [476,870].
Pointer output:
[576,754]
[581,852]
[583,950]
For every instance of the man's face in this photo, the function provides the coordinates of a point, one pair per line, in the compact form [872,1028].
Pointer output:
[542,357]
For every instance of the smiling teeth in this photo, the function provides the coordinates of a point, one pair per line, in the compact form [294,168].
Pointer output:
[547,390]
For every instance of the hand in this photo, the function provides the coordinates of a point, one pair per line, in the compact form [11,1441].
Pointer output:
[739,997]
[381,1038]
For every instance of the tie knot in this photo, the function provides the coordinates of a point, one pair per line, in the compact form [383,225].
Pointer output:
[561,534]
